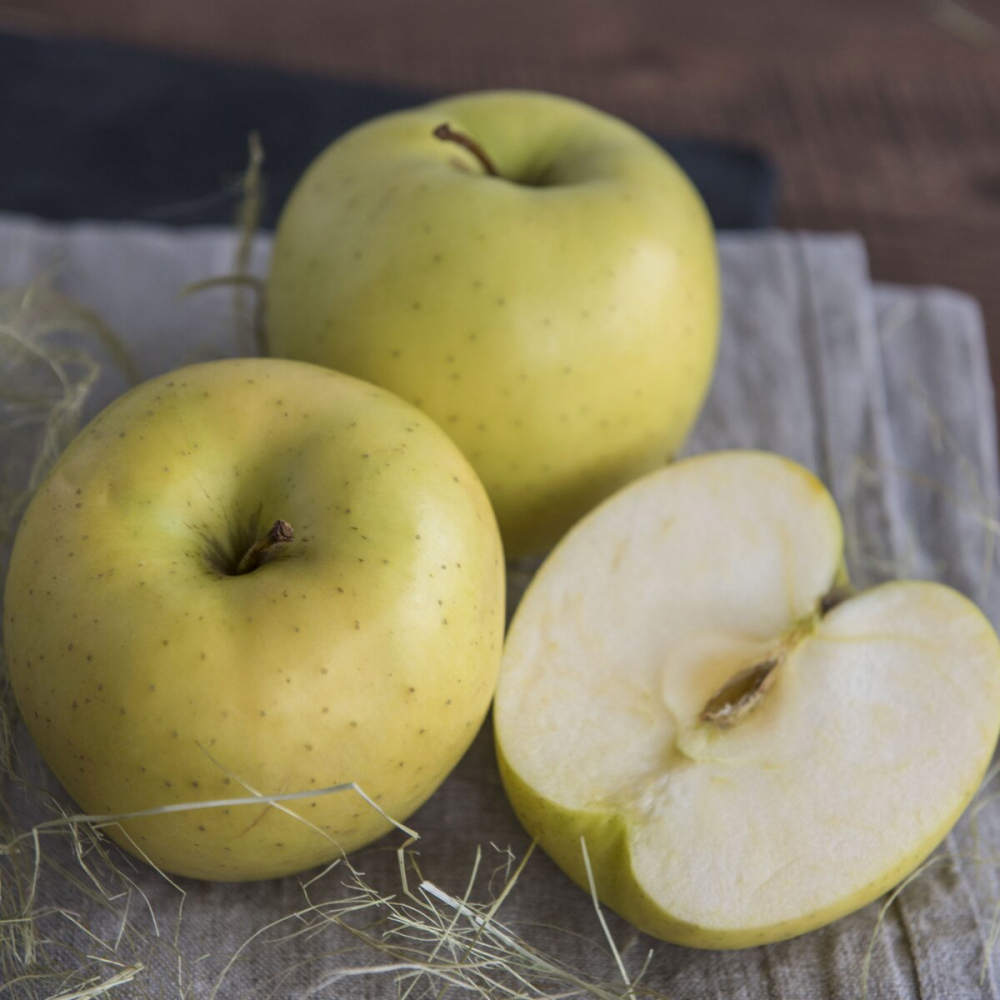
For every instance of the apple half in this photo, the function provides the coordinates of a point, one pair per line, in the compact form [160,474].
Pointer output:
[747,749]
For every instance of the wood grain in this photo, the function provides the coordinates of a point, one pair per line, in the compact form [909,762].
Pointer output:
[884,117]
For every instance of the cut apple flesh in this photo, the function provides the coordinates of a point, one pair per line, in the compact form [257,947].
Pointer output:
[747,751]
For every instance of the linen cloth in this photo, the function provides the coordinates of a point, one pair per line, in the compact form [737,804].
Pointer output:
[883,391]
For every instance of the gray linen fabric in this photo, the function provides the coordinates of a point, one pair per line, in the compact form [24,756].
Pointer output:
[884,392]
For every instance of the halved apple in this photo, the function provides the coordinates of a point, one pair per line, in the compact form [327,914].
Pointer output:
[747,749]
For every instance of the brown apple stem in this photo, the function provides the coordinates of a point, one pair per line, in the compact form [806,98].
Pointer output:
[280,533]
[446,133]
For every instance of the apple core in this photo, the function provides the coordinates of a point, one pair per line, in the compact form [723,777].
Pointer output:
[747,748]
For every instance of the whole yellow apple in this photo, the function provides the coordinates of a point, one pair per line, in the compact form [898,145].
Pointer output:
[536,275]
[255,578]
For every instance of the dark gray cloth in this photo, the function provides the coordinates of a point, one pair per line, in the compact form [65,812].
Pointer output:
[883,391]
[91,130]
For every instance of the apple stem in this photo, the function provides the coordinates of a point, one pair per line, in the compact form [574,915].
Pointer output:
[446,133]
[280,533]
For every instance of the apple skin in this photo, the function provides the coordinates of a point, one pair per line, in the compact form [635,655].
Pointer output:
[559,321]
[365,651]
[559,831]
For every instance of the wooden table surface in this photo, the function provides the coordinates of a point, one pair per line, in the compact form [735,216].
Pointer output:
[882,115]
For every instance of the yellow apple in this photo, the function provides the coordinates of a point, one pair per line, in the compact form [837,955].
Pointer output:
[255,577]
[557,317]
[746,749]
